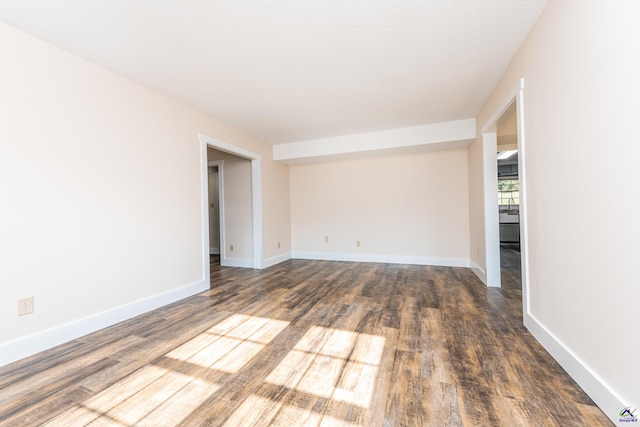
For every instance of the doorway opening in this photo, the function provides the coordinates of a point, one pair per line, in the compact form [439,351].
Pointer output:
[508,190]
[255,160]
[216,208]
[496,213]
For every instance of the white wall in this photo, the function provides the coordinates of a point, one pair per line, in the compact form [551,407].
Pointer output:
[101,195]
[237,206]
[411,208]
[580,68]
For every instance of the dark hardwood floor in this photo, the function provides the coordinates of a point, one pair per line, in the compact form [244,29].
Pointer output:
[309,343]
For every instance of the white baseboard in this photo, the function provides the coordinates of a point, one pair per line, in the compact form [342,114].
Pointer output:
[389,259]
[237,262]
[214,251]
[597,389]
[268,262]
[40,341]
[482,275]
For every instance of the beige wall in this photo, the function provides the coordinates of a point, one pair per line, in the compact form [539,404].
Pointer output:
[101,192]
[100,189]
[411,206]
[277,212]
[580,109]
[238,213]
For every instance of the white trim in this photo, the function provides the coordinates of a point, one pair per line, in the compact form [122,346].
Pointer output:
[276,260]
[388,259]
[491,218]
[238,262]
[482,275]
[204,190]
[40,341]
[256,197]
[214,251]
[228,148]
[524,201]
[597,389]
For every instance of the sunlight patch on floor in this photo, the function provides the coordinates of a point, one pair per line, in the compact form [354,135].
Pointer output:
[331,363]
[258,411]
[160,396]
[152,396]
[231,344]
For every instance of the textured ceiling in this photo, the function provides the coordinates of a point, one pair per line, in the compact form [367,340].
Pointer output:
[289,71]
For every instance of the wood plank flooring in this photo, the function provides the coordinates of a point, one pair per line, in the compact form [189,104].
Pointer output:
[309,343]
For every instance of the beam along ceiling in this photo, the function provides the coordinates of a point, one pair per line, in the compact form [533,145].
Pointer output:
[289,71]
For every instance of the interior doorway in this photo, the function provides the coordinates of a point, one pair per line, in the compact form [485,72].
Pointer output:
[514,101]
[508,191]
[255,161]
[216,206]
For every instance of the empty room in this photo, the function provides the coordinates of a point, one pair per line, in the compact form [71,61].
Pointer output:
[363,213]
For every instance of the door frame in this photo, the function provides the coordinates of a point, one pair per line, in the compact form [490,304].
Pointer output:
[256,197]
[219,165]
[490,168]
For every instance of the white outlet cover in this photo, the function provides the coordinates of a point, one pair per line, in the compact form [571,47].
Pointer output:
[25,306]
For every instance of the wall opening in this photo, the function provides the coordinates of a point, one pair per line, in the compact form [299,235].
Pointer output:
[256,199]
[491,211]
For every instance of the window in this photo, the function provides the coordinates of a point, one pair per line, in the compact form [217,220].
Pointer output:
[508,192]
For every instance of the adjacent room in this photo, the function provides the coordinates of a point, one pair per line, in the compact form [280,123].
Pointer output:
[364,213]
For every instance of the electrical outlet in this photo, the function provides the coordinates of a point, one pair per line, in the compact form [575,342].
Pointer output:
[358,243]
[25,306]
[231,248]
[278,245]
[326,239]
